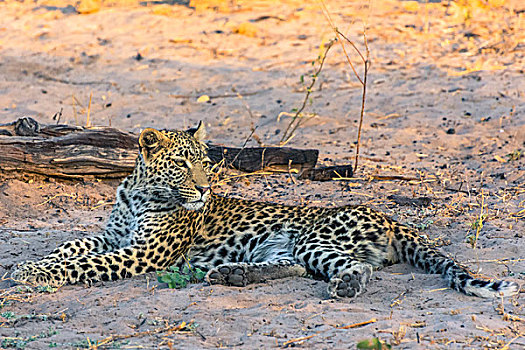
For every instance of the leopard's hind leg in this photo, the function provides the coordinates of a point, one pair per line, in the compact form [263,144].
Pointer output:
[347,276]
[241,274]
[350,282]
[343,246]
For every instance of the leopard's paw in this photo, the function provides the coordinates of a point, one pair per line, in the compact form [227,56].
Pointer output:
[38,274]
[351,282]
[228,274]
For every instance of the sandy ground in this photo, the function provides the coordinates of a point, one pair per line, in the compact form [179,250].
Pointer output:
[445,109]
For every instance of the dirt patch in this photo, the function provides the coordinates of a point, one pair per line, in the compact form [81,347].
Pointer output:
[445,111]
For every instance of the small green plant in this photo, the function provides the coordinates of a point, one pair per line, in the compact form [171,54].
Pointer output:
[192,327]
[516,155]
[421,226]
[475,229]
[8,315]
[46,289]
[177,278]
[117,344]
[81,344]
[373,344]
[20,343]
[23,289]
[16,343]
[478,223]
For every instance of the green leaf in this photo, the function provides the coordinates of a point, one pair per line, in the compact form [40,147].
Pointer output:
[178,278]
[373,344]
[199,274]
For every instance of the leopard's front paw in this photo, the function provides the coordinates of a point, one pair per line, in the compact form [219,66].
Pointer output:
[38,274]
[351,282]
[228,274]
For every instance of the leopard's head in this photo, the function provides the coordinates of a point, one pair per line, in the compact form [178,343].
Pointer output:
[173,164]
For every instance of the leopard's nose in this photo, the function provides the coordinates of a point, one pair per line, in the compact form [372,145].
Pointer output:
[202,189]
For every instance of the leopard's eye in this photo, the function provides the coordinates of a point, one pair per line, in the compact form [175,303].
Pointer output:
[206,162]
[180,163]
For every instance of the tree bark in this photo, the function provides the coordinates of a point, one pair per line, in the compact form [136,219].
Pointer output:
[102,152]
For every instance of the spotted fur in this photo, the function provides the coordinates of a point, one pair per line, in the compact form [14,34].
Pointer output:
[165,210]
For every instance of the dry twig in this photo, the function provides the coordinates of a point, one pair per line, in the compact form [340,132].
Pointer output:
[288,134]
[363,81]
[169,328]
[359,324]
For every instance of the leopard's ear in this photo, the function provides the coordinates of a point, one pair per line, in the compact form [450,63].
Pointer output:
[199,132]
[150,142]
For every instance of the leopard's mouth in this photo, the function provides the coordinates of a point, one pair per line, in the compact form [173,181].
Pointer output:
[196,205]
[197,201]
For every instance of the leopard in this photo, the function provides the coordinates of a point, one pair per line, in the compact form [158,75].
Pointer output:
[166,214]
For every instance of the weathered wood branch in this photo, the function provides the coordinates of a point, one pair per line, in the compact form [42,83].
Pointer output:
[103,152]
[258,158]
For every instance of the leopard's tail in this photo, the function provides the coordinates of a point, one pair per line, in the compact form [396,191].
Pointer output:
[417,251]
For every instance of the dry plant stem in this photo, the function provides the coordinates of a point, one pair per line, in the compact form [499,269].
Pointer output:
[296,340]
[507,345]
[74,110]
[354,325]
[480,224]
[243,146]
[338,34]
[249,110]
[287,135]
[366,62]
[361,117]
[359,324]
[88,122]
[222,165]
[170,328]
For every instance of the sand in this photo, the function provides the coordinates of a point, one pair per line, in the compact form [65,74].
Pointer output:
[445,111]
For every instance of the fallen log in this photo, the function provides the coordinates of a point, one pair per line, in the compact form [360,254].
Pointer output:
[103,152]
[252,159]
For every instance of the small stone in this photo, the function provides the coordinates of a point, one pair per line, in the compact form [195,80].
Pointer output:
[89,6]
